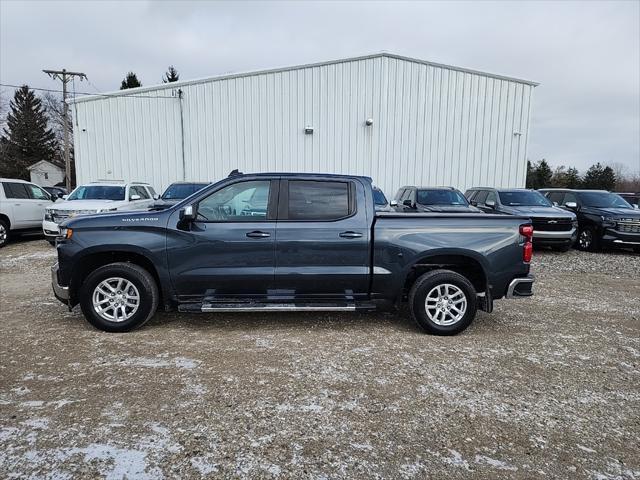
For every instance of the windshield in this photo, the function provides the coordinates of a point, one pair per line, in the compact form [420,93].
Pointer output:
[523,198]
[603,200]
[441,197]
[379,198]
[97,192]
[178,191]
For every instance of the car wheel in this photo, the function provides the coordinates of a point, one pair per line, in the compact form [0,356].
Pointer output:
[119,297]
[443,302]
[52,242]
[588,240]
[4,233]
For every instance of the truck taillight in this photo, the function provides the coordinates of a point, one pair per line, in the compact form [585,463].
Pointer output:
[527,250]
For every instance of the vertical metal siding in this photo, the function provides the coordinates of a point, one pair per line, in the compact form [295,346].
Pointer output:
[432,126]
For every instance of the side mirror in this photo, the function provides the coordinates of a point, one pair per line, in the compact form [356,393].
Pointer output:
[133,198]
[555,204]
[408,203]
[635,206]
[156,196]
[64,197]
[188,213]
[490,203]
[571,205]
[394,203]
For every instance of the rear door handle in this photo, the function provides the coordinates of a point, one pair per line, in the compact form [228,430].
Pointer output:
[350,235]
[258,234]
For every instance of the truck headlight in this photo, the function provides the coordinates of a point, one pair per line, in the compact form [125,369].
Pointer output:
[66,233]
[48,216]
[608,222]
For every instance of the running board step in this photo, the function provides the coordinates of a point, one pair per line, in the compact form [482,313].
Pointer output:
[274,307]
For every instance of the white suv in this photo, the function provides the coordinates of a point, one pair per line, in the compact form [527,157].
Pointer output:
[97,197]
[22,206]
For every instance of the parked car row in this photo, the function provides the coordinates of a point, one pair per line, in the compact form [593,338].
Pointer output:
[561,218]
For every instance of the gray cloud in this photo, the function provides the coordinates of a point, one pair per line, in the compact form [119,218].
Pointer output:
[586,55]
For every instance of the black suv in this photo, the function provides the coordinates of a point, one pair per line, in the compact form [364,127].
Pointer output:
[604,218]
[431,199]
[552,226]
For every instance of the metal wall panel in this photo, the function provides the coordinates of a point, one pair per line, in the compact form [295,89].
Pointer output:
[433,125]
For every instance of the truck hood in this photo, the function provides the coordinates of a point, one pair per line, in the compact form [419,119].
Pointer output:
[534,211]
[77,205]
[448,209]
[118,219]
[613,212]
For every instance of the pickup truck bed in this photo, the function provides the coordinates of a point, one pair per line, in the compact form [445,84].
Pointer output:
[290,242]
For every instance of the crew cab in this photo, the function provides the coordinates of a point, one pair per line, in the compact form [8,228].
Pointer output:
[290,242]
[97,197]
[552,226]
[604,218]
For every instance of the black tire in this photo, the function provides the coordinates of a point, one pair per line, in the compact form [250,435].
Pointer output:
[588,240]
[425,284]
[52,242]
[142,280]
[4,232]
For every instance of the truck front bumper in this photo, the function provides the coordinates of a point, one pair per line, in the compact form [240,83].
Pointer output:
[544,237]
[520,287]
[50,229]
[60,292]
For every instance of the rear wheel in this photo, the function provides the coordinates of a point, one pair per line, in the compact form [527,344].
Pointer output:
[4,233]
[443,302]
[119,297]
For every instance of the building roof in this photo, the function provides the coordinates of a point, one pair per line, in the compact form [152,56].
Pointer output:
[173,85]
[41,162]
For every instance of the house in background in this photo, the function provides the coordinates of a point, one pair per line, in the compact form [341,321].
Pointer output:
[46,174]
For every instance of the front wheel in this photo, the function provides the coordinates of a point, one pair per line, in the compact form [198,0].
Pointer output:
[443,302]
[588,240]
[119,297]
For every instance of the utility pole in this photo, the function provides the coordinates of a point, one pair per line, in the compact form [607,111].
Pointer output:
[65,77]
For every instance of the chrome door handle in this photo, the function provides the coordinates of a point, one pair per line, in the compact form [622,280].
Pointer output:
[350,235]
[258,234]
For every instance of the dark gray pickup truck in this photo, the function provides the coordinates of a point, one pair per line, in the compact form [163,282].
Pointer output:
[290,242]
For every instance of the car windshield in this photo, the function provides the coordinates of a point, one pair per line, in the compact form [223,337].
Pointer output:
[379,198]
[178,191]
[97,192]
[441,197]
[603,200]
[523,198]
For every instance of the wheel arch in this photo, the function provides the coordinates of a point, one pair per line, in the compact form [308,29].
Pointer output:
[467,263]
[98,258]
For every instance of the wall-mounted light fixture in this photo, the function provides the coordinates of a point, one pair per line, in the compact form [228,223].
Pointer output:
[368,122]
[308,130]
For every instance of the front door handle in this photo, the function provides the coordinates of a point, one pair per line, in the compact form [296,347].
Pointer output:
[258,234]
[350,235]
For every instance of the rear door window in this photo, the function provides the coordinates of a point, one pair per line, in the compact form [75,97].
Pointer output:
[317,200]
[15,190]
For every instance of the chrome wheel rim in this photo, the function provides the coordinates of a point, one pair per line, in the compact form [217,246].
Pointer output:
[445,304]
[3,234]
[585,239]
[116,299]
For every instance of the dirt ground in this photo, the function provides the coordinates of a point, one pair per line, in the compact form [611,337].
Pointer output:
[547,387]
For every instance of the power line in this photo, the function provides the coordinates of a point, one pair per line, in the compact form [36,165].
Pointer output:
[105,95]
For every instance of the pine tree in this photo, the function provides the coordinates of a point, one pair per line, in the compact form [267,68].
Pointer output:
[593,177]
[543,174]
[172,75]
[130,81]
[26,139]
[608,179]
[572,178]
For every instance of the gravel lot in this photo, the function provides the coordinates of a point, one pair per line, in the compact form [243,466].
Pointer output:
[547,387]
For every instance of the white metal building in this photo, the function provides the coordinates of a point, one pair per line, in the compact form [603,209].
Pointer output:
[398,120]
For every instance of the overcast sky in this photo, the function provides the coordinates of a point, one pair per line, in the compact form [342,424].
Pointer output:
[586,55]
